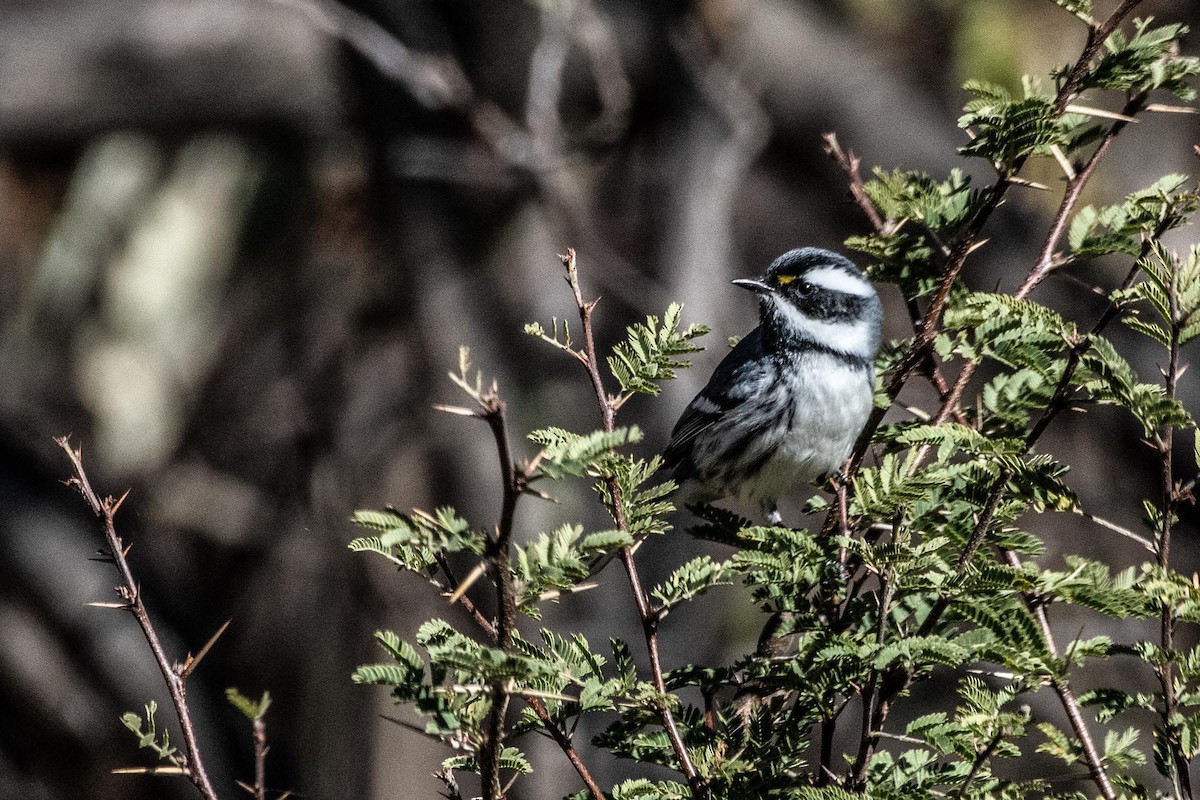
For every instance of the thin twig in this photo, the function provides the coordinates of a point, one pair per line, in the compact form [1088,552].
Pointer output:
[1062,688]
[874,700]
[190,760]
[851,165]
[980,759]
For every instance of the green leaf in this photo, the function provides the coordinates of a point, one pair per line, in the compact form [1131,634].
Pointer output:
[511,759]
[919,212]
[642,789]
[566,453]
[1121,228]
[411,539]
[643,507]
[691,580]
[551,561]
[251,709]
[1081,8]
[150,738]
[1111,702]
[1109,379]
[1120,748]
[653,352]
[1147,60]
[1007,130]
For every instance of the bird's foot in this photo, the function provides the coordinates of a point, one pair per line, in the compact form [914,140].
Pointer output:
[838,479]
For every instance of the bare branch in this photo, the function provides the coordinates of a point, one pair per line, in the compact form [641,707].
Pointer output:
[190,760]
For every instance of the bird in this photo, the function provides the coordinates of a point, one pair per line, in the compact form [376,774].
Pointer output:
[786,404]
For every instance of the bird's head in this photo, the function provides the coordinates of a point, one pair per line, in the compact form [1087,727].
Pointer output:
[812,296]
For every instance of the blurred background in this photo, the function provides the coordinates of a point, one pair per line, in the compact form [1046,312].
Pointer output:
[242,240]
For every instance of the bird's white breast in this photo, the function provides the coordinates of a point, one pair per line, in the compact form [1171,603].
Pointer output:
[832,401]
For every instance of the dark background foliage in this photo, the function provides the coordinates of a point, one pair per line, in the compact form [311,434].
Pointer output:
[237,258]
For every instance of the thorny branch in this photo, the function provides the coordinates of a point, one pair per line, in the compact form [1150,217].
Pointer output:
[439,83]
[175,675]
[927,328]
[851,165]
[591,362]
[259,790]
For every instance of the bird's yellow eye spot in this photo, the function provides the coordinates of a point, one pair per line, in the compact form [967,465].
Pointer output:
[784,280]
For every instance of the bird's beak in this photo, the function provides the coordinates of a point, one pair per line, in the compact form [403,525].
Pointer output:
[756,286]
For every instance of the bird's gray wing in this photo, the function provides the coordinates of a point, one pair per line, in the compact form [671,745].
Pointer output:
[723,394]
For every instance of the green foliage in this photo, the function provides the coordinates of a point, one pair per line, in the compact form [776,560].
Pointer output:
[690,580]
[1171,290]
[1019,334]
[1122,228]
[1146,61]
[1008,130]
[411,540]
[554,563]
[511,759]
[640,501]
[920,212]
[565,453]
[1081,8]
[150,738]
[933,597]
[1109,379]
[653,351]
[643,789]
[252,710]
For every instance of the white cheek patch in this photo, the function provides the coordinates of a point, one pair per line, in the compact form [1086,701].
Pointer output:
[849,337]
[839,280]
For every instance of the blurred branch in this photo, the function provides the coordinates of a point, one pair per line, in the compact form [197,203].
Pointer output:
[612,84]
[175,675]
[436,83]
[440,84]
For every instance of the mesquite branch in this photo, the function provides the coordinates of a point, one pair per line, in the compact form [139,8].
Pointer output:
[928,326]
[190,760]
[498,554]
[608,406]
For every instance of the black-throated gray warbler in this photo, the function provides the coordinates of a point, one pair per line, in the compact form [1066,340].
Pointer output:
[787,403]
